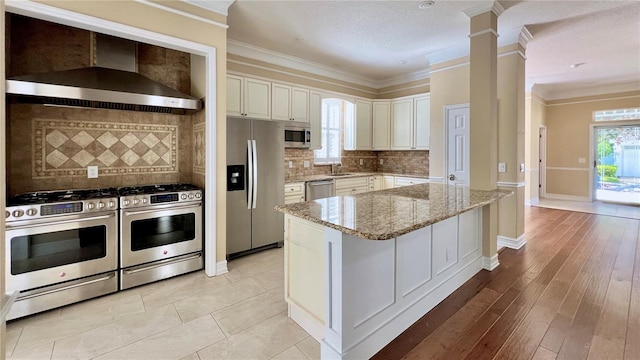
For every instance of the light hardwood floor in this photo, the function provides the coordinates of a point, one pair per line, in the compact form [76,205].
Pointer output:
[573,292]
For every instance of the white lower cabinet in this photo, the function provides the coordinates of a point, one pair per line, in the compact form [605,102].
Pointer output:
[352,186]
[400,181]
[294,193]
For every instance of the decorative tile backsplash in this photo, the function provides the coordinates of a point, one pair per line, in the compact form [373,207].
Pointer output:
[199,148]
[66,148]
[398,162]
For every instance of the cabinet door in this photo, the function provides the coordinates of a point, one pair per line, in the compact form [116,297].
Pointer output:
[402,124]
[363,125]
[234,95]
[388,182]
[381,125]
[315,119]
[343,192]
[280,102]
[300,105]
[422,109]
[257,99]
[378,183]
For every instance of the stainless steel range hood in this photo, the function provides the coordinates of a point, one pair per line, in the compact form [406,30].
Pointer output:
[114,85]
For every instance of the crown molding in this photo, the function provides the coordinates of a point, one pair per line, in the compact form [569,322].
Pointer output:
[493,6]
[524,37]
[218,6]
[268,56]
[549,94]
[182,13]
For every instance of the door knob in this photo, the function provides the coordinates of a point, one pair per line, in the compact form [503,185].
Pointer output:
[452,177]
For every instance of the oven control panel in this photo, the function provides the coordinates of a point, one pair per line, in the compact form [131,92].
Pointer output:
[141,200]
[28,212]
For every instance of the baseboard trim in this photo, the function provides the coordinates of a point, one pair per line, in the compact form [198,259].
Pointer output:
[490,263]
[306,321]
[512,243]
[221,267]
[567,197]
[532,202]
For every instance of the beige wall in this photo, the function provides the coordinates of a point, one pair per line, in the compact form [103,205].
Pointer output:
[568,135]
[129,12]
[450,86]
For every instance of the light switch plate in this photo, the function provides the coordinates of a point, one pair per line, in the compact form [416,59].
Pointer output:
[502,167]
[582,160]
[306,164]
[381,161]
[521,167]
[361,162]
[92,172]
[290,164]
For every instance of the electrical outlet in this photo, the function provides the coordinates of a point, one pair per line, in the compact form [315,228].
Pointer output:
[582,160]
[502,167]
[306,164]
[361,162]
[290,164]
[381,161]
[92,172]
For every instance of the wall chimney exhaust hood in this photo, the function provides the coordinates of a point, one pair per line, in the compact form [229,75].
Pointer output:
[112,84]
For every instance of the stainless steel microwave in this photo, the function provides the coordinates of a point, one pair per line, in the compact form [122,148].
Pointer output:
[297,136]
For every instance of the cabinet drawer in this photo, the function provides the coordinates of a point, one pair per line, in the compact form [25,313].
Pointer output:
[352,183]
[293,188]
[406,181]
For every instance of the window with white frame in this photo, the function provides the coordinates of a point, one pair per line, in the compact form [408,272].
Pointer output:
[617,115]
[334,112]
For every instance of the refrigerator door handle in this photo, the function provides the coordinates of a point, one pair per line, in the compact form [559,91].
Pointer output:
[255,174]
[249,175]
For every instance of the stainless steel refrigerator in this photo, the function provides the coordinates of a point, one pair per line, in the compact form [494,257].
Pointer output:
[255,184]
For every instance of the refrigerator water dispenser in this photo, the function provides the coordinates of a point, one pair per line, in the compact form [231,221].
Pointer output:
[235,177]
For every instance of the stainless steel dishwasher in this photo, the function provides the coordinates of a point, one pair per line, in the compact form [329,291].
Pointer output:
[319,189]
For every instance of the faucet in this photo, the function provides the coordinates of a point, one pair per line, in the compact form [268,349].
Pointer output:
[335,168]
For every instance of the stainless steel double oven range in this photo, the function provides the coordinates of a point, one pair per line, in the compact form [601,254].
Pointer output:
[67,246]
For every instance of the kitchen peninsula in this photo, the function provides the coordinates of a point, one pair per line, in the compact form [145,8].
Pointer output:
[361,269]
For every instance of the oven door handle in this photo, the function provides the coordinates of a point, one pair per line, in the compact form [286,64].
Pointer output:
[163,263]
[36,294]
[48,222]
[129,213]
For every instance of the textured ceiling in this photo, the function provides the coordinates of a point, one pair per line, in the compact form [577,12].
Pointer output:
[387,42]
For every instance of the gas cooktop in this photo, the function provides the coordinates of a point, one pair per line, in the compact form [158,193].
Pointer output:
[49,197]
[155,189]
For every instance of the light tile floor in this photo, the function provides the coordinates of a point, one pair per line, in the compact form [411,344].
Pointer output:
[238,315]
[626,211]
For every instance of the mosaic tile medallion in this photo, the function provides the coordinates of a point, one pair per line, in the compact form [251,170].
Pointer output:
[66,148]
[199,148]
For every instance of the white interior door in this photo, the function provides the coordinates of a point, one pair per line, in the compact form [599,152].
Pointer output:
[457,145]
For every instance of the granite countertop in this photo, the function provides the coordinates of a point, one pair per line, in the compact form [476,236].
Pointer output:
[386,214]
[349,174]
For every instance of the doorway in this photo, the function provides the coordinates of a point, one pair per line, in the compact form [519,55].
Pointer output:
[616,165]
[457,137]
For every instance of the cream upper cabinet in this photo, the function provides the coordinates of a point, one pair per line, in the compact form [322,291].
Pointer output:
[402,124]
[410,123]
[289,103]
[421,113]
[381,125]
[248,97]
[315,119]
[358,132]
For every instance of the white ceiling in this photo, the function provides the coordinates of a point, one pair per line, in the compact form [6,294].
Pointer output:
[382,43]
